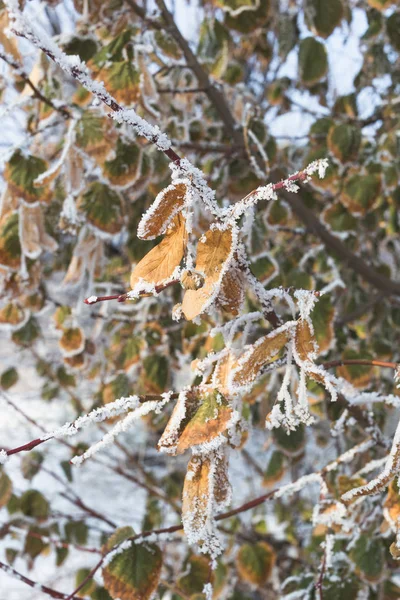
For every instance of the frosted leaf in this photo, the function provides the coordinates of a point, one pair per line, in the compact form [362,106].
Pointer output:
[167,204]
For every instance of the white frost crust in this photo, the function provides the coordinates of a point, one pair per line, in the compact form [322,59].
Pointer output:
[122,426]
[113,409]
[3,457]
[392,467]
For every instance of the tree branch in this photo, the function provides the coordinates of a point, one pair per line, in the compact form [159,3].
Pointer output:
[333,243]
[215,95]
[37,586]
[37,93]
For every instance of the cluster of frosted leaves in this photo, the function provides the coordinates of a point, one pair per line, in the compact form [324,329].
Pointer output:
[106,180]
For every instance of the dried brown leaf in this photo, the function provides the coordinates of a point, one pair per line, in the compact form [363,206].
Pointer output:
[159,264]
[232,290]
[212,255]
[196,492]
[257,356]
[166,205]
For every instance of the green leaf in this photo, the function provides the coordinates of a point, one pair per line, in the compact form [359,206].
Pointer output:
[61,555]
[89,586]
[102,206]
[120,535]
[313,61]
[10,247]
[122,80]
[322,318]
[263,268]
[275,469]
[393,30]
[85,48]
[114,51]
[339,218]
[34,546]
[123,170]
[255,562]
[196,569]
[8,378]
[76,532]
[118,387]
[287,34]
[344,142]
[292,444]
[30,464]
[156,371]
[134,573]
[214,40]
[358,375]
[34,504]
[249,20]
[5,488]
[26,334]
[66,467]
[361,192]
[368,556]
[323,17]
[90,131]
[21,172]
[167,44]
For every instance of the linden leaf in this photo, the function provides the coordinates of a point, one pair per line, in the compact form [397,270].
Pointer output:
[313,61]
[344,141]
[255,562]
[275,469]
[358,375]
[392,503]
[264,351]
[158,265]
[195,420]
[361,192]
[231,295]
[12,314]
[207,423]
[72,341]
[212,255]
[5,488]
[196,493]
[368,556]
[34,504]
[160,214]
[134,573]
[21,172]
[9,43]
[322,318]
[323,17]
[196,571]
[93,135]
[123,81]
[305,341]
[10,246]
[124,168]
[34,238]
[102,206]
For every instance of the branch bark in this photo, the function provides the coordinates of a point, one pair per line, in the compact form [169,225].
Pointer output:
[215,95]
[334,244]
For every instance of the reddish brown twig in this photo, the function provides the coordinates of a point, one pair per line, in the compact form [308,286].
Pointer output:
[37,586]
[125,296]
[362,362]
